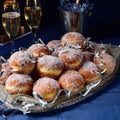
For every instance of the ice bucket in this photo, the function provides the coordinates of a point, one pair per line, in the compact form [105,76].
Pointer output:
[76,21]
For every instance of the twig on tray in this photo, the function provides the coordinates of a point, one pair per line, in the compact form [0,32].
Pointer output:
[41,41]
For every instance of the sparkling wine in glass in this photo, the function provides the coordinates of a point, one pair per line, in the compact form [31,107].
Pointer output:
[11,20]
[33,13]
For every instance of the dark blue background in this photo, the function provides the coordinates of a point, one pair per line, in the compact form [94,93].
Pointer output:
[103,26]
[104,22]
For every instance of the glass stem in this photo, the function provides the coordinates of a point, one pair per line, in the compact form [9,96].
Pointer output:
[12,39]
[34,30]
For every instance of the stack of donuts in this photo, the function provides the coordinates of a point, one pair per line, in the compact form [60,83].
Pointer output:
[69,63]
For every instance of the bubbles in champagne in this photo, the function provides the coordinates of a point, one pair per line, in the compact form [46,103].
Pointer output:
[11,23]
[33,16]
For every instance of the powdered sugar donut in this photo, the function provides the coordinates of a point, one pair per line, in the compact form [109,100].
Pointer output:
[97,48]
[71,79]
[73,39]
[87,56]
[5,72]
[105,62]
[22,62]
[39,50]
[54,46]
[19,83]
[71,57]
[50,66]
[90,72]
[47,88]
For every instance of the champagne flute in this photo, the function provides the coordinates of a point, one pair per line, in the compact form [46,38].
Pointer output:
[11,20]
[33,13]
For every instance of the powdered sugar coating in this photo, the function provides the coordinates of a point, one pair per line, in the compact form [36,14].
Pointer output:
[71,54]
[47,88]
[18,79]
[71,57]
[73,39]
[108,62]
[90,72]
[5,72]
[54,44]
[36,46]
[19,83]
[50,62]
[46,83]
[22,56]
[71,78]
[22,61]
[89,66]
[39,50]
[49,66]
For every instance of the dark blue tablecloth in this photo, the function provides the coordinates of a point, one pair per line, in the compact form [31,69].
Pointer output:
[104,105]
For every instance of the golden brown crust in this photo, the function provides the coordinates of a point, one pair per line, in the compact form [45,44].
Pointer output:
[73,39]
[71,57]
[50,66]
[22,62]
[5,72]
[97,48]
[89,71]
[71,79]
[106,62]
[47,88]
[38,50]
[55,46]
[19,83]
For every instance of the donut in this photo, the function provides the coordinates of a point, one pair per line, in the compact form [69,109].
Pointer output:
[71,79]
[19,84]
[22,62]
[47,88]
[39,50]
[87,56]
[54,46]
[5,65]
[71,57]
[5,72]
[97,48]
[89,71]
[49,66]
[105,62]
[73,39]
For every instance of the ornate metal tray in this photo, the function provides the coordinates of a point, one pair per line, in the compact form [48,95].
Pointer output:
[27,104]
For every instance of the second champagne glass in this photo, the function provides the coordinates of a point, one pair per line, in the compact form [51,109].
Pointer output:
[33,13]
